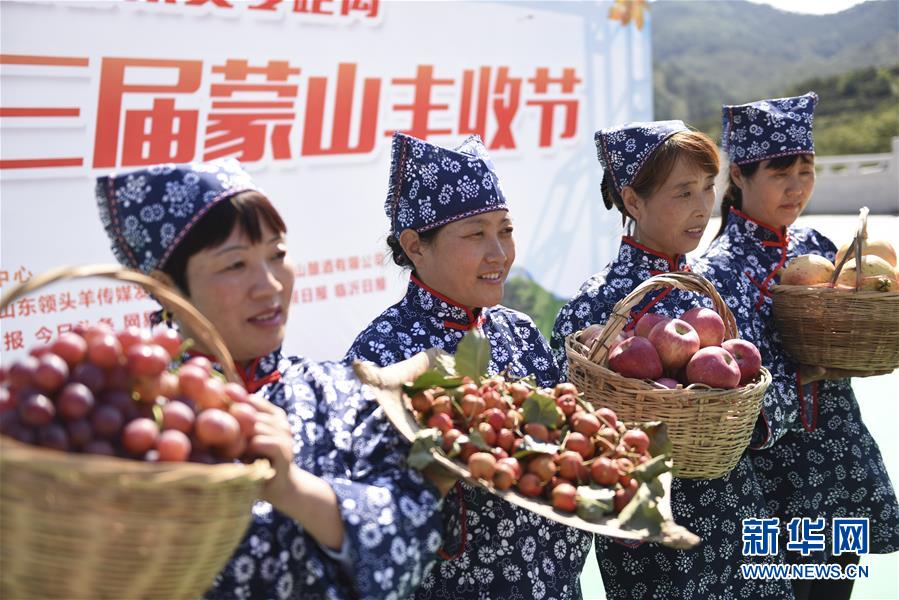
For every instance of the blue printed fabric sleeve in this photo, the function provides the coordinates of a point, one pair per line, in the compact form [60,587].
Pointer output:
[391,514]
[779,405]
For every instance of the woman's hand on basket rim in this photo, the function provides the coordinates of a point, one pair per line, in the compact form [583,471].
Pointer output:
[812,373]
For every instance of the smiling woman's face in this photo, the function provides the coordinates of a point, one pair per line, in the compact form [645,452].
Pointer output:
[244,289]
[468,260]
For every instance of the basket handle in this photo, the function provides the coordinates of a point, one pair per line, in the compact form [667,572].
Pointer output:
[687,281]
[861,234]
[186,311]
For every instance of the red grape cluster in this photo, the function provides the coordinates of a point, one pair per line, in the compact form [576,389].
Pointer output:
[566,444]
[96,391]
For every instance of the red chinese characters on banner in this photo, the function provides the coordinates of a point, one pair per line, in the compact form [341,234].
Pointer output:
[72,300]
[149,109]
[62,112]
[252,107]
[31,315]
[422,105]
[343,106]
[335,8]
[564,99]
[20,275]
[157,134]
[498,95]
[314,268]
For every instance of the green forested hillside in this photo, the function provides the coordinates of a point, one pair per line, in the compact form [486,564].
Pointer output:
[706,53]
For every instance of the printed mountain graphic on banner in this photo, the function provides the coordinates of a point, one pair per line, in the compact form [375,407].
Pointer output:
[524,294]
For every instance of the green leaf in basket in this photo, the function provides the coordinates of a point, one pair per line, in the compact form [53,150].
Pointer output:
[538,408]
[652,469]
[530,381]
[445,364]
[426,441]
[475,437]
[594,502]
[658,438]
[473,355]
[531,446]
[432,378]
[456,450]
[642,512]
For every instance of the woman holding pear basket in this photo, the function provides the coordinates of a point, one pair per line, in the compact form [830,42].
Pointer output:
[827,465]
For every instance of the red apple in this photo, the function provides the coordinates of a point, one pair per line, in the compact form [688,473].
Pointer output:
[715,367]
[675,341]
[636,357]
[647,322]
[748,358]
[707,324]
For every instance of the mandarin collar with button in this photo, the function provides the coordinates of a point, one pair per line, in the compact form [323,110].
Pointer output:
[741,225]
[647,259]
[442,308]
[773,242]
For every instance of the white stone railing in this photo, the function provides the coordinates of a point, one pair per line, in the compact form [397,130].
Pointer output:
[844,183]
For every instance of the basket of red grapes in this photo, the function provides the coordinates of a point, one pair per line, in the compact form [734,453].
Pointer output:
[122,473]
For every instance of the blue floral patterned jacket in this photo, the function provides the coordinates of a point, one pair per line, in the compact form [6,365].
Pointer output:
[391,515]
[493,550]
[713,509]
[828,465]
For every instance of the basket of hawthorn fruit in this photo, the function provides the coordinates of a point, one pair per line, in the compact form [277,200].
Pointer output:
[543,449]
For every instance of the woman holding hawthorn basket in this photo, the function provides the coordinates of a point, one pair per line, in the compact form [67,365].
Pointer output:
[660,176]
[827,464]
[449,223]
[344,517]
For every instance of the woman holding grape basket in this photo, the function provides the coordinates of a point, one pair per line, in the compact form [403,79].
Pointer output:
[343,516]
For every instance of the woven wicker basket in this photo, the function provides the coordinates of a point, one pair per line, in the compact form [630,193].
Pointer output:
[709,428]
[844,329]
[82,526]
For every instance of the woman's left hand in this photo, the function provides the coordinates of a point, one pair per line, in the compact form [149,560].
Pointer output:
[306,498]
[273,439]
[812,373]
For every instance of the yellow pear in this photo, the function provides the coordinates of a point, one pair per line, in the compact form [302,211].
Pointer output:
[807,269]
[878,283]
[872,266]
[880,248]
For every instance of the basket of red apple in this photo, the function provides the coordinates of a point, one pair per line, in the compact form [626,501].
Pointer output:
[543,449]
[844,314]
[117,475]
[692,373]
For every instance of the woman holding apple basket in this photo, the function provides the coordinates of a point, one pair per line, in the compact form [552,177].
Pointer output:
[660,175]
[449,223]
[343,517]
[827,465]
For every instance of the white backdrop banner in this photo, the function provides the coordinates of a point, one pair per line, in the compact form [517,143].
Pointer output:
[306,93]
